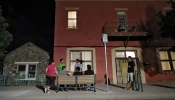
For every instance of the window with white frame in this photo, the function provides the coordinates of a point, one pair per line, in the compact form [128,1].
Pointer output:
[125,54]
[72,19]
[27,70]
[167,60]
[86,56]
[122,20]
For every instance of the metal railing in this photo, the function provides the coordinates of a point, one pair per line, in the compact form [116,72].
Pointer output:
[138,82]
[116,27]
[17,80]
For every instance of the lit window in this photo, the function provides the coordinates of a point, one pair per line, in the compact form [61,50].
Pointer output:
[125,54]
[130,53]
[163,55]
[86,56]
[27,70]
[172,55]
[122,20]
[167,60]
[72,19]
[120,54]
[165,65]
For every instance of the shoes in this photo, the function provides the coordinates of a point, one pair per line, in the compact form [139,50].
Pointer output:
[66,90]
[45,90]
[75,89]
[129,88]
[48,92]
[125,88]
[86,89]
[91,89]
[62,90]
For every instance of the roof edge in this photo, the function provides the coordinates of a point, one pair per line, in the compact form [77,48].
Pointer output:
[113,0]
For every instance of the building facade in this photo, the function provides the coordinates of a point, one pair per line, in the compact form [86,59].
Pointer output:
[27,61]
[132,30]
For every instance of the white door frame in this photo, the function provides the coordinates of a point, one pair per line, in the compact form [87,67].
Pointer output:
[139,55]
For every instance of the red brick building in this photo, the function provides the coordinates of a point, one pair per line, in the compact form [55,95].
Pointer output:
[79,25]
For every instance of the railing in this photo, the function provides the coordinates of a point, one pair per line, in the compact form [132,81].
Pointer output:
[17,80]
[138,82]
[115,27]
[2,80]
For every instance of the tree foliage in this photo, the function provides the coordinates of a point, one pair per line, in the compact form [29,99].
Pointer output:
[5,36]
[167,22]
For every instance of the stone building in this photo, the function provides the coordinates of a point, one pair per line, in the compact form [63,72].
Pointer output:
[27,59]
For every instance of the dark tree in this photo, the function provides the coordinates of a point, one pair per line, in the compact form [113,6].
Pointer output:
[5,36]
[167,22]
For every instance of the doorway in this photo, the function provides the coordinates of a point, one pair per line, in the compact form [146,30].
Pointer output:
[122,67]
[122,64]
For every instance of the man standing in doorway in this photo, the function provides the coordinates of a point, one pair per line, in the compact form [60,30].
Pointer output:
[131,73]
[61,65]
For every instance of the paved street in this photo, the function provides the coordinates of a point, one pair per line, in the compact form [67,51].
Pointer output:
[154,91]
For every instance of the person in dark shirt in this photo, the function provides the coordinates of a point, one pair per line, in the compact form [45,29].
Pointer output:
[77,72]
[131,73]
[88,72]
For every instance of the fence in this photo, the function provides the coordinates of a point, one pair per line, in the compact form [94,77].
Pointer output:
[7,80]
[17,80]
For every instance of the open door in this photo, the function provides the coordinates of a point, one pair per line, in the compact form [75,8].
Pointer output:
[122,67]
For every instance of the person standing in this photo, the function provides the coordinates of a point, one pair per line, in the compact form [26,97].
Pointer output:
[50,74]
[131,73]
[78,64]
[61,65]
[59,68]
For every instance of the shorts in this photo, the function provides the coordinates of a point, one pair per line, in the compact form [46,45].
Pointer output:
[50,80]
[130,77]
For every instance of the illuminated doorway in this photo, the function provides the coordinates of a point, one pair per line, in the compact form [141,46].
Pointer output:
[122,64]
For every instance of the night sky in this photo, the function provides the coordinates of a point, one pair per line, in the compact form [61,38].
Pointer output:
[30,20]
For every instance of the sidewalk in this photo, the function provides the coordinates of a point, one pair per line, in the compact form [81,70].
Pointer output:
[157,91]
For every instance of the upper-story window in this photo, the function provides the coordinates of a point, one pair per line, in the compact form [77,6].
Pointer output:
[122,21]
[72,19]
[167,10]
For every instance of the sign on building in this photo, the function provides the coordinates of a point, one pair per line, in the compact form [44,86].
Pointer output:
[105,38]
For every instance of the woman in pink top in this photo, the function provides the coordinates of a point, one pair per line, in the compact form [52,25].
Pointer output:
[50,74]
